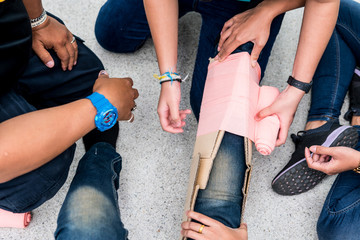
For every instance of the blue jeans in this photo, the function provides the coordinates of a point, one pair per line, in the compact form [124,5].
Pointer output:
[40,87]
[340,216]
[336,67]
[121,26]
[90,209]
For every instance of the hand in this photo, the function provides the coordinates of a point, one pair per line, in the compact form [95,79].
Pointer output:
[332,160]
[252,25]
[119,92]
[171,119]
[284,107]
[213,229]
[54,35]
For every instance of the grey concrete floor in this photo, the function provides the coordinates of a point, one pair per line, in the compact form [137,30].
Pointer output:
[155,170]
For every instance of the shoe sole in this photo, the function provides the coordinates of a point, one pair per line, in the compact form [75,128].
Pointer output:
[299,178]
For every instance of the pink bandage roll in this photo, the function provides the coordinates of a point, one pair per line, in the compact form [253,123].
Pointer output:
[14,220]
[267,129]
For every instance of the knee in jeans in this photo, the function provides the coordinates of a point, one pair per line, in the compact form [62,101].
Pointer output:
[328,229]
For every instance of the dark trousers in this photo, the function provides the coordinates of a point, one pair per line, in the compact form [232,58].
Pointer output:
[40,87]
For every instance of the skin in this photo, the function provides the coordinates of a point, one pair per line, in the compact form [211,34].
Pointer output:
[51,35]
[253,25]
[332,160]
[213,229]
[318,23]
[41,140]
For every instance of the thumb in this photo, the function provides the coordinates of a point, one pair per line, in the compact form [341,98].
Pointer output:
[255,53]
[103,74]
[263,113]
[43,54]
[321,150]
[175,115]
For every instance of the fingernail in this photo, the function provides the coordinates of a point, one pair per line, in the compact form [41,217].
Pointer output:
[75,62]
[313,148]
[103,72]
[218,49]
[253,63]
[50,64]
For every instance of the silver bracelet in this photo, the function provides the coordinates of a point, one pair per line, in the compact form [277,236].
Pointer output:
[39,20]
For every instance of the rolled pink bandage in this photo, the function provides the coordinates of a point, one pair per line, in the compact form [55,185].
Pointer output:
[266,130]
[232,97]
[14,220]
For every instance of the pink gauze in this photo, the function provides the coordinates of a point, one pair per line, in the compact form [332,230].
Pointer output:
[232,97]
[14,220]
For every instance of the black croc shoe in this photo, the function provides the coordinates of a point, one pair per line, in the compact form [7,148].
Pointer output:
[354,95]
[296,177]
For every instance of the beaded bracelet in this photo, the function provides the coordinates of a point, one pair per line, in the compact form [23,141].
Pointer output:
[39,20]
[168,77]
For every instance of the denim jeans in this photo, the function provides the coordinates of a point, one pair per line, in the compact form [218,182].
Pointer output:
[40,87]
[121,26]
[340,216]
[90,209]
[336,67]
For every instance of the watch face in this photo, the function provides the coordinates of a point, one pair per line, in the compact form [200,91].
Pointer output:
[106,119]
[109,117]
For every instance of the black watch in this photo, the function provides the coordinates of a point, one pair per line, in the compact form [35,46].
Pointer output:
[299,85]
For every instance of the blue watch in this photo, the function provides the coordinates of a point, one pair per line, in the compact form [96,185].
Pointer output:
[107,114]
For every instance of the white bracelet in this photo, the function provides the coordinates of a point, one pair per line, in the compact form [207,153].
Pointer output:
[39,20]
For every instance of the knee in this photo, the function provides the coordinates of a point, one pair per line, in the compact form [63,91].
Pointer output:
[334,227]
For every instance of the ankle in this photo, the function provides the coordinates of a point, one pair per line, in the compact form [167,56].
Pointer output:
[315,124]
[355,120]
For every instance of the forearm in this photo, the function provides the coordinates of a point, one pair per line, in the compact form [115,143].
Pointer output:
[162,16]
[33,7]
[31,140]
[277,7]
[317,27]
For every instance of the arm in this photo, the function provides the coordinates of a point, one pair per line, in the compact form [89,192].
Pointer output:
[44,134]
[332,160]
[253,25]
[162,16]
[51,35]
[212,229]
[318,24]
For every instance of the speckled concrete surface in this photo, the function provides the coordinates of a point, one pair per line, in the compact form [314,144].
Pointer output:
[156,164]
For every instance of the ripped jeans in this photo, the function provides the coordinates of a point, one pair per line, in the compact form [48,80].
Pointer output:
[90,209]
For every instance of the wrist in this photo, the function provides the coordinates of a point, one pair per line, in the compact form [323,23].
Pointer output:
[357,167]
[39,22]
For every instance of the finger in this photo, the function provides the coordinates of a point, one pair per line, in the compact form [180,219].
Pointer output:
[202,218]
[255,53]
[175,115]
[43,54]
[103,74]
[63,54]
[225,33]
[76,49]
[321,150]
[71,52]
[193,235]
[263,113]
[191,226]
[243,226]
[129,80]
[131,117]
[315,157]
[283,132]
[229,46]
[136,93]
[165,123]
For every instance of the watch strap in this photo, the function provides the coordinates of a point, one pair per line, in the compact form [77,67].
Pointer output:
[299,85]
